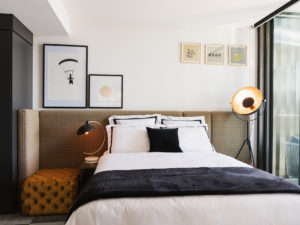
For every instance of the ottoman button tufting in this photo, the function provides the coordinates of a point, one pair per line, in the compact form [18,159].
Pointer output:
[50,191]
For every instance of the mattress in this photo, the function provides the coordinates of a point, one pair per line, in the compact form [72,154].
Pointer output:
[243,209]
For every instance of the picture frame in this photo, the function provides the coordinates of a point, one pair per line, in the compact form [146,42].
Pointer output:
[237,55]
[105,91]
[190,52]
[214,54]
[65,76]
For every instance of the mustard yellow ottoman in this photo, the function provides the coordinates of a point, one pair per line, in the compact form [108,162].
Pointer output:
[50,191]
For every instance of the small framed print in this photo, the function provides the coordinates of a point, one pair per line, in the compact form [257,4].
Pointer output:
[65,76]
[237,55]
[106,91]
[190,52]
[214,54]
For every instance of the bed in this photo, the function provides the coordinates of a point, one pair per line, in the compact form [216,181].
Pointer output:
[171,190]
[47,139]
[247,209]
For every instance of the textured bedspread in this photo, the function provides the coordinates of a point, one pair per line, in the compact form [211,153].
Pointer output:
[181,182]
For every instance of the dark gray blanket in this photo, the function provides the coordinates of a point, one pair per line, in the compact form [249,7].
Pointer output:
[181,181]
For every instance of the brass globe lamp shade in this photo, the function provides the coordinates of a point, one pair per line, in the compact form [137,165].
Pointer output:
[247,100]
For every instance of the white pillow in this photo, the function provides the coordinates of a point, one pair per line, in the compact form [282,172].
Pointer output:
[183,120]
[134,119]
[193,139]
[142,121]
[128,139]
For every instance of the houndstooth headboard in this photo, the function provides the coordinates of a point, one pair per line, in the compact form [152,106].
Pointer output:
[47,138]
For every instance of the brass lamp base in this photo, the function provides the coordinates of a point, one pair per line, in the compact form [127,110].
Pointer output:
[91,159]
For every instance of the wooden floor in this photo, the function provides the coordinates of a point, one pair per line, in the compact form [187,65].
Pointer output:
[18,219]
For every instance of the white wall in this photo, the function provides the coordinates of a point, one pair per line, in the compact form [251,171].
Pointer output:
[149,58]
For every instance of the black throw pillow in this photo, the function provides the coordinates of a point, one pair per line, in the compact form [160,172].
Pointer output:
[163,140]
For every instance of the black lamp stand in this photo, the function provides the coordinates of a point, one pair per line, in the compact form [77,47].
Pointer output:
[248,142]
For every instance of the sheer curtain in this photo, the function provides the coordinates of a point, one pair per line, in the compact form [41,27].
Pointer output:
[286,97]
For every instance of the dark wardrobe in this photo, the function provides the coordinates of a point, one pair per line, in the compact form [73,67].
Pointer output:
[16,93]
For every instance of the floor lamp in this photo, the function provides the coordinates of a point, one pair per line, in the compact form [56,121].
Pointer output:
[245,102]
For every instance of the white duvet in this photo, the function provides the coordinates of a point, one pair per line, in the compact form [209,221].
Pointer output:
[254,209]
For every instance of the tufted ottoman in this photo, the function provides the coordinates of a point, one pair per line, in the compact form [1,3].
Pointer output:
[50,191]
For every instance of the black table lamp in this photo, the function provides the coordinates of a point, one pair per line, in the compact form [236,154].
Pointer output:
[247,101]
[86,129]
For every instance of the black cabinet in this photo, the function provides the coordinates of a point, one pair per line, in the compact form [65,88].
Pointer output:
[15,93]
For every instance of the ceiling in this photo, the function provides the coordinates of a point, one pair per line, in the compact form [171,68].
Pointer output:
[53,17]
[40,16]
[179,12]
[294,8]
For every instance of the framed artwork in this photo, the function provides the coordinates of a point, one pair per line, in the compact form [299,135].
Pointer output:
[190,52]
[106,91]
[237,55]
[214,54]
[65,76]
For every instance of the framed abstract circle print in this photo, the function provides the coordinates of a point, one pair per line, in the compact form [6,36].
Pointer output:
[106,91]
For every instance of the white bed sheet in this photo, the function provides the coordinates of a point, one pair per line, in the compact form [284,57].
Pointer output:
[258,209]
[159,160]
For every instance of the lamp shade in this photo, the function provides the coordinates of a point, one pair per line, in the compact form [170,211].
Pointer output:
[246,100]
[87,127]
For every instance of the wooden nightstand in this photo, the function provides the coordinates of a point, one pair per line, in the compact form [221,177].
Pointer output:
[86,171]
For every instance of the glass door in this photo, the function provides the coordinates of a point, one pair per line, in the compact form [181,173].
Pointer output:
[286,96]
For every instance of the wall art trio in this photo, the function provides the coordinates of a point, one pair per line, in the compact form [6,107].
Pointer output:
[66,84]
[214,54]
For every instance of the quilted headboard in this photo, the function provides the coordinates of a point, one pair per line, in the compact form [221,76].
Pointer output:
[47,138]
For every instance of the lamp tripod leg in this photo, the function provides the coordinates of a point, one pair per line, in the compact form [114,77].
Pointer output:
[250,152]
[241,148]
